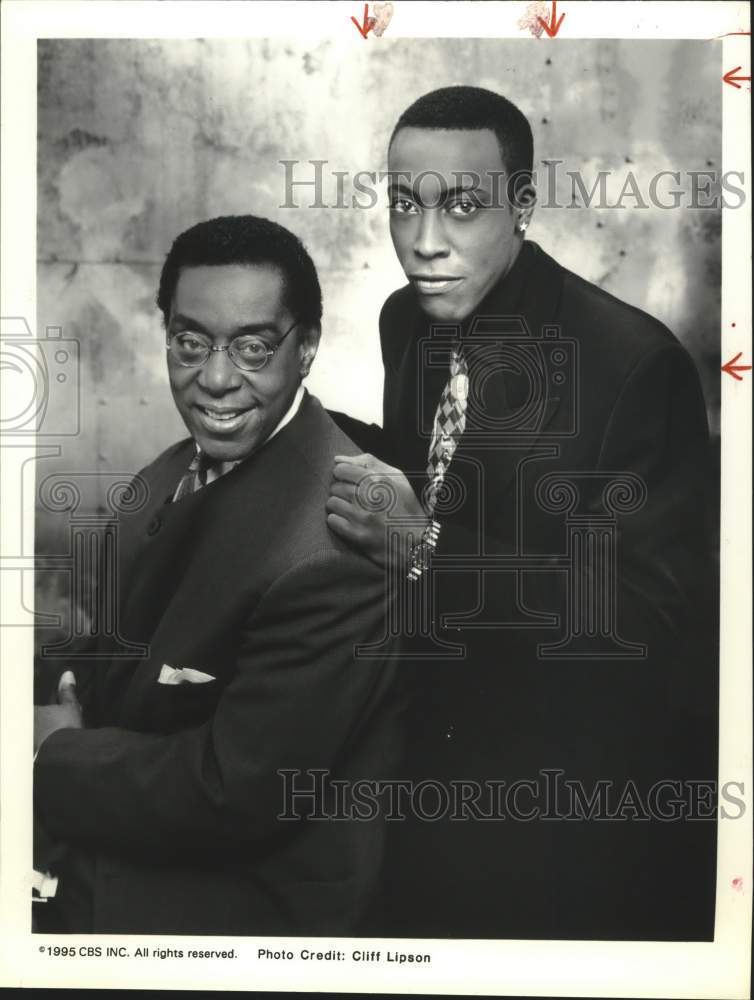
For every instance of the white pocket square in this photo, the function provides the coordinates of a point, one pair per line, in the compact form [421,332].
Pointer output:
[182,675]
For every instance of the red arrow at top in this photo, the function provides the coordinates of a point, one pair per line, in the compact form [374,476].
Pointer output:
[555,22]
[731,78]
[733,369]
[368,24]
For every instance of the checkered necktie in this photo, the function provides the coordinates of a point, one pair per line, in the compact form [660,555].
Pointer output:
[201,471]
[450,423]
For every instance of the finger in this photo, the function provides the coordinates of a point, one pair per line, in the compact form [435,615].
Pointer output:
[341,527]
[346,491]
[67,689]
[364,460]
[348,473]
[344,509]
[67,678]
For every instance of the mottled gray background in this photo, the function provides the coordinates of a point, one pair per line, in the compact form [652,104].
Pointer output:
[140,139]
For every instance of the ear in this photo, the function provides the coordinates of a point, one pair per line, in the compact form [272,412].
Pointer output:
[307,348]
[523,218]
[525,210]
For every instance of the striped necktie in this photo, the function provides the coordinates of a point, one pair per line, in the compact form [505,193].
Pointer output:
[201,471]
[450,423]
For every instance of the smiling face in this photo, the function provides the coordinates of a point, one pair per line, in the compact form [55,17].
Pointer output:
[230,412]
[454,231]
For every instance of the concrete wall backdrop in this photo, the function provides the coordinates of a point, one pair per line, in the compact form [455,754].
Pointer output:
[140,139]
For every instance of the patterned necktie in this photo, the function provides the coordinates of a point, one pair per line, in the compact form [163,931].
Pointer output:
[450,423]
[201,471]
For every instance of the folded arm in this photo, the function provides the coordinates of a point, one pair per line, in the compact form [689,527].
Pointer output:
[297,697]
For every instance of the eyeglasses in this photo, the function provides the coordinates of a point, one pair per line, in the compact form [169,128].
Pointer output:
[249,353]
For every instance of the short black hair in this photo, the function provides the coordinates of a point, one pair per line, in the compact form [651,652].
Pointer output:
[471,109]
[246,239]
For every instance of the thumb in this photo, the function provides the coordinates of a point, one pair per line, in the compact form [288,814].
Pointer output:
[67,688]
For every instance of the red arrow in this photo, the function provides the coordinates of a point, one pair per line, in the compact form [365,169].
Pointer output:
[368,24]
[732,368]
[731,78]
[554,26]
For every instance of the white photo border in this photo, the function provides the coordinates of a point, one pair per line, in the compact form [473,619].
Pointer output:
[536,968]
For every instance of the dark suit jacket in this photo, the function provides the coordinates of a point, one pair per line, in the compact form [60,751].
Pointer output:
[568,386]
[174,788]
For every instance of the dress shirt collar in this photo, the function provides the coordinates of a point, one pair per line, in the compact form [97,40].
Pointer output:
[291,413]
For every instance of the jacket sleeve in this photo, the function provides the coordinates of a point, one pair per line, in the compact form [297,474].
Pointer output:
[657,430]
[369,437]
[664,592]
[298,696]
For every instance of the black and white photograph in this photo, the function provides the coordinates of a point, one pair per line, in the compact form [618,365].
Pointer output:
[376,463]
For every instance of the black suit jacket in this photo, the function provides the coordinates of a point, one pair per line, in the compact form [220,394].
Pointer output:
[174,789]
[570,390]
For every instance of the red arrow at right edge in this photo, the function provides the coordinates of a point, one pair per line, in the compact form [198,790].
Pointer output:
[555,22]
[731,78]
[733,369]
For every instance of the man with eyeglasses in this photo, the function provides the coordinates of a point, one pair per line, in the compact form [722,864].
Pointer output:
[191,787]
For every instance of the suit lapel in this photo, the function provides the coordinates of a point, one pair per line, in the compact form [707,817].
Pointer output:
[510,343]
[179,551]
[513,398]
